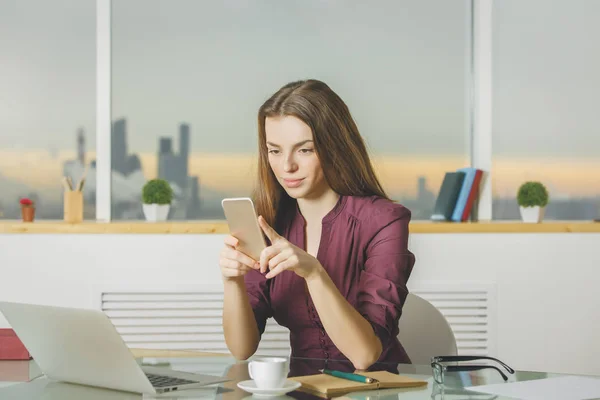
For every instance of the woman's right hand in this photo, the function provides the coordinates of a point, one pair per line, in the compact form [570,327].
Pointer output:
[235,264]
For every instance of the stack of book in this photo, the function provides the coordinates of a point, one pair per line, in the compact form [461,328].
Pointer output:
[457,195]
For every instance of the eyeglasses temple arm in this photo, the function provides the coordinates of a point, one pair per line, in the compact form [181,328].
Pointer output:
[472,358]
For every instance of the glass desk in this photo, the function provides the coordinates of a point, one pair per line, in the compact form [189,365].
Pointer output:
[23,380]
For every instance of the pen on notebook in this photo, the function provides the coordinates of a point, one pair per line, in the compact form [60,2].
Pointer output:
[349,376]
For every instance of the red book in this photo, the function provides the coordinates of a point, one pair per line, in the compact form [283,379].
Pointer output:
[472,195]
[11,347]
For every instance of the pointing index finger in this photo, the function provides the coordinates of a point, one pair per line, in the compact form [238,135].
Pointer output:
[270,232]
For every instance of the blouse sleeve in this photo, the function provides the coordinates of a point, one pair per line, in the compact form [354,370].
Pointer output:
[258,289]
[382,287]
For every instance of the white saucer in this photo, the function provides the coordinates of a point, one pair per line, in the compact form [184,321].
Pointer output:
[250,386]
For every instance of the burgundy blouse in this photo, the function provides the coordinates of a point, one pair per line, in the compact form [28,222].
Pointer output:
[364,249]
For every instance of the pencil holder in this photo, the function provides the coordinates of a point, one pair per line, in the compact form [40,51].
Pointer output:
[73,206]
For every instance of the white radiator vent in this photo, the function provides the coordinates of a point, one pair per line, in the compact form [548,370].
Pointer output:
[180,320]
[190,317]
[471,312]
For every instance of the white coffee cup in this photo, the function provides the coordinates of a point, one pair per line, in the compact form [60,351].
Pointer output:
[269,372]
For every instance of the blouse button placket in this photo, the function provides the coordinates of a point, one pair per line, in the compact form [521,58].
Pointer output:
[312,312]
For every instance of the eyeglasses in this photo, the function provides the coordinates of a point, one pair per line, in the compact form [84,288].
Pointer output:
[439,369]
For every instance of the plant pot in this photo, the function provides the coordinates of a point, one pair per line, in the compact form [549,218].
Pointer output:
[28,213]
[156,212]
[533,214]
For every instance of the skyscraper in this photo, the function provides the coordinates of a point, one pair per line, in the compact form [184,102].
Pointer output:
[173,167]
[168,168]
[425,200]
[193,197]
[118,146]
[184,147]
[421,187]
[165,146]
[81,146]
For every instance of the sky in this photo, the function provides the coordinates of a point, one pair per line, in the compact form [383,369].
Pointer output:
[235,173]
[401,68]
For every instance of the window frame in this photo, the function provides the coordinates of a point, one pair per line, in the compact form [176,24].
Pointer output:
[479,110]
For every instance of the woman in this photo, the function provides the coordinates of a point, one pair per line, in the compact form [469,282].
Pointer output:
[336,269]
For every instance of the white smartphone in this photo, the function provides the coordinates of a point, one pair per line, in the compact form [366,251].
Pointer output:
[243,225]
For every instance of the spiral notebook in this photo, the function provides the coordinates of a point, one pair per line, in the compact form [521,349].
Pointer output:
[323,385]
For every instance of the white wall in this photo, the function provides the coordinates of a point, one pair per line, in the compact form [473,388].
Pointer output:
[546,284]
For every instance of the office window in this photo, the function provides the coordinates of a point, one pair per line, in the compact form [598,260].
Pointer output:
[545,99]
[47,102]
[189,77]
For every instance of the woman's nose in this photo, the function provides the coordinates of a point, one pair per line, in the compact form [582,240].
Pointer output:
[289,164]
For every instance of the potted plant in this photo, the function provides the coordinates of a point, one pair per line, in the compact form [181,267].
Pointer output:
[532,198]
[27,209]
[156,197]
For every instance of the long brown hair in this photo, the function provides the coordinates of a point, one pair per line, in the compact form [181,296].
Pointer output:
[338,144]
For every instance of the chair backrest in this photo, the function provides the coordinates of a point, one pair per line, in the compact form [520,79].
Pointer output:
[424,332]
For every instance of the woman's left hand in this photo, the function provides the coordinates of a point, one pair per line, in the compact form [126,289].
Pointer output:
[282,255]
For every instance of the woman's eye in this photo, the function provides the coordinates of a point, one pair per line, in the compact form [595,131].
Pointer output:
[304,151]
[273,151]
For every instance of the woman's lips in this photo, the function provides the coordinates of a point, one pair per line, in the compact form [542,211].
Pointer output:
[292,183]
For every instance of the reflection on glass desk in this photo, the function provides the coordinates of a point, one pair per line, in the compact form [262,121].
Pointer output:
[38,387]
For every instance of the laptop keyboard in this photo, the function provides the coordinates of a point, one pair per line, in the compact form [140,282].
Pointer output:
[163,381]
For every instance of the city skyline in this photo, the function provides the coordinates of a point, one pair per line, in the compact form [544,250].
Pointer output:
[172,166]
[417,192]
[215,170]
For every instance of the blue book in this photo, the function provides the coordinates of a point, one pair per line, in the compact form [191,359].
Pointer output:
[463,195]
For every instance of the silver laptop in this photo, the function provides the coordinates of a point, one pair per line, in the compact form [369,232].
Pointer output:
[82,346]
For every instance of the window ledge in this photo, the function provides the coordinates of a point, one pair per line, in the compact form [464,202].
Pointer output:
[208,227]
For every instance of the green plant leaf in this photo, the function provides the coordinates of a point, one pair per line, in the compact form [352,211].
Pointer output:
[531,194]
[157,191]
